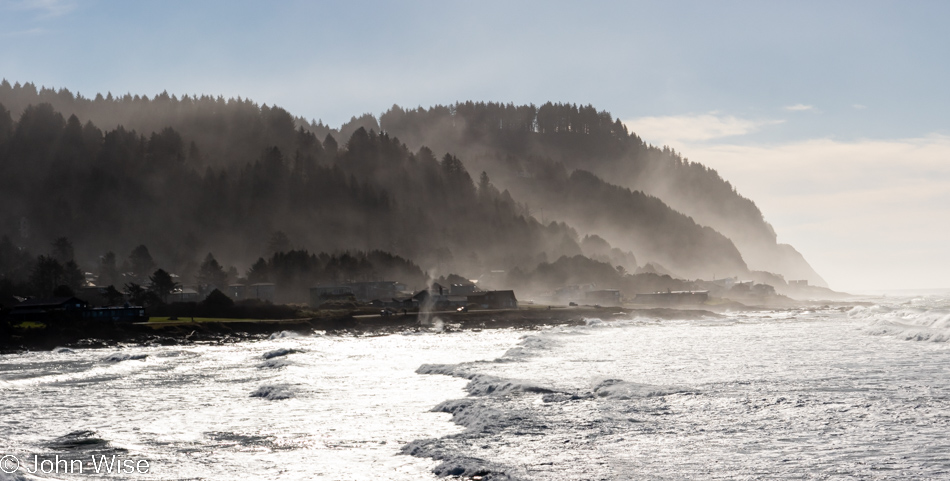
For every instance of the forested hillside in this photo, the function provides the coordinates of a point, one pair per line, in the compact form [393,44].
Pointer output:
[509,137]
[470,189]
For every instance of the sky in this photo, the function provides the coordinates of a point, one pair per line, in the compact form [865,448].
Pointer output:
[831,116]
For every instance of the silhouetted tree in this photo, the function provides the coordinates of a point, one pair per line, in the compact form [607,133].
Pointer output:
[63,250]
[258,272]
[47,275]
[136,294]
[279,242]
[162,284]
[113,296]
[211,274]
[73,276]
[140,260]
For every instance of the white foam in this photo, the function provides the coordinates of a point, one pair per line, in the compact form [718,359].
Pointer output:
[284,335]
[917,320]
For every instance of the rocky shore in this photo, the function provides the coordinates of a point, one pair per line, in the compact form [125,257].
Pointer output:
[98,334]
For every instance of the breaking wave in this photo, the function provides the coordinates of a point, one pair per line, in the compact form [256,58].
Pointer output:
[124,356]
[498,407]
[284,335]
[916,320]
[278,353]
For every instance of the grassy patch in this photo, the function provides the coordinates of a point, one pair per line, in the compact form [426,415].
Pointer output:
[31,325]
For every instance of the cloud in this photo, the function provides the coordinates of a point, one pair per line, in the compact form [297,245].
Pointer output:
[866,213]
[800,107]
[49,8]
[24,33]
[859,106]
[691,128]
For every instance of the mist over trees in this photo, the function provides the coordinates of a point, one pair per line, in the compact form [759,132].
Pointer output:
[125,185]
[506,140]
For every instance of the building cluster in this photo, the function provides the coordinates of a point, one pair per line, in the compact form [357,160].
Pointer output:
[72,308]
[391,294]
[587,294]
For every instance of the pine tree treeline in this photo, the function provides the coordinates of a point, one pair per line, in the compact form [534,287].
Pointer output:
[504,138]
[196,174]
[115,189]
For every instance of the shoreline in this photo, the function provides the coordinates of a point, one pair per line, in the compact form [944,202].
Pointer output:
[99,334]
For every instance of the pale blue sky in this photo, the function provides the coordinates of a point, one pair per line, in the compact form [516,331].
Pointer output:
[763,91]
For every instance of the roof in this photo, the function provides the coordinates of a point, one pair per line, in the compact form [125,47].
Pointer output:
[9,301]
[50,302]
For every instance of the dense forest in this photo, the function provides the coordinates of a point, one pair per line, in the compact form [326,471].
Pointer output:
[477,188]
[506,140]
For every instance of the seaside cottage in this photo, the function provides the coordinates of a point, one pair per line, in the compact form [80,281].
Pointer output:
[494,300]
[48,308]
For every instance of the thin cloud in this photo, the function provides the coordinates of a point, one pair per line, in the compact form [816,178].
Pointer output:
[24,33]
[800,107]
[691,128]
[48,8]
[859,106]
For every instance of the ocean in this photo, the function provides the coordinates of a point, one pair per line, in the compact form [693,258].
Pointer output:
[825,393]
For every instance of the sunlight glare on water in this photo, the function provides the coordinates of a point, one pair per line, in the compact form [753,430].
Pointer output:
[825,393]
[326,407]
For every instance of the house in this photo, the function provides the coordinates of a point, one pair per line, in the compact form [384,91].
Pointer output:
[115,314]
[435,294]
[237,291]
[799,283]
[452,302]
[8,302]
[726,282]
[321,294]
[494,300]
[183,294]
[53,307]
[673,298]
[573,293]
[404,303]
[94,295]
[605,297]
[463,289]
[264,291]
[376,289]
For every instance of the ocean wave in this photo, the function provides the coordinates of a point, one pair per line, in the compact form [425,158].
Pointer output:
[483,384]
[453,464]
[78,440]
[275,363]
[620,389]
[910,321]
[124,356]
[284,335]
[274,393]
[279,353]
